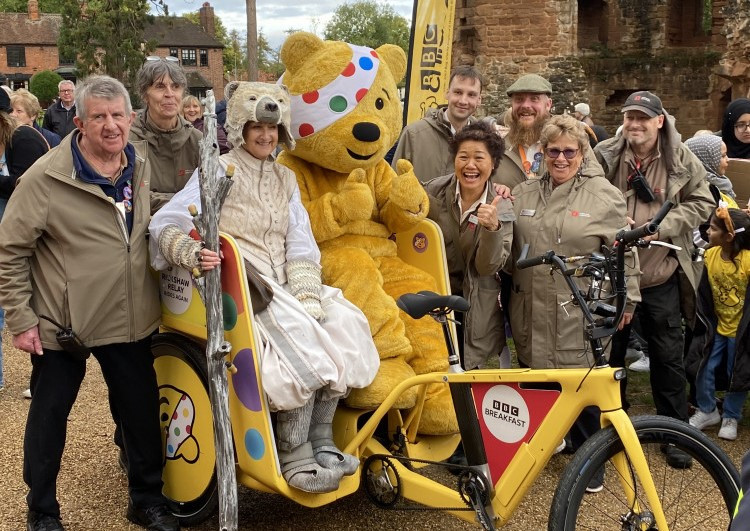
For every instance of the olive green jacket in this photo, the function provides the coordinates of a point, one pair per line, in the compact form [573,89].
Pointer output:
[473,273]
[173,155]
[576,219]
[65,253]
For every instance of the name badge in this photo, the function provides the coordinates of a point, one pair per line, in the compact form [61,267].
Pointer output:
[528,212]
[473,221]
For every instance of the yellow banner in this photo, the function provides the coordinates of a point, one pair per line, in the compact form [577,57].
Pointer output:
[428,70]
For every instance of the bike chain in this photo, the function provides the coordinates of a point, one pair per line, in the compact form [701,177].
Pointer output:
[466,472]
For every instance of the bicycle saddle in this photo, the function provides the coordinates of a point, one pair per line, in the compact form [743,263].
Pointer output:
[417,305]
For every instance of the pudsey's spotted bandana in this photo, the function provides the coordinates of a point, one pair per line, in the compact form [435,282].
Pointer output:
[316,110]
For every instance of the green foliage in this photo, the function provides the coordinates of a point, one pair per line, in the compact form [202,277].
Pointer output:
[106,36]
[708,16]
[368,23]
[22,6]
[43,85]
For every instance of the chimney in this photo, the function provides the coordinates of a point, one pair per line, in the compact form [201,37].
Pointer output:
[33,10]
[206,14]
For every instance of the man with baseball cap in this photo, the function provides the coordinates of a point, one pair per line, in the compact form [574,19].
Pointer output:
[531,103]
[650,165]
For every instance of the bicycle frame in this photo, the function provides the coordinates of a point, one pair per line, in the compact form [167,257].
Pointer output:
[520,419]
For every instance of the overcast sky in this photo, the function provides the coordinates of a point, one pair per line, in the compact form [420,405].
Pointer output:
[276,16]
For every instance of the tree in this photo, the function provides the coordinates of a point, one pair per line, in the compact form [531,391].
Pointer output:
[368,23]
[43,85]
[106,36]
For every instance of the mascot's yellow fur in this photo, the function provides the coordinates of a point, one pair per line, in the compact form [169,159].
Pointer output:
[346,114]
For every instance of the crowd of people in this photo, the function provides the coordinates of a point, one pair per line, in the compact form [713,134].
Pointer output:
[80,193]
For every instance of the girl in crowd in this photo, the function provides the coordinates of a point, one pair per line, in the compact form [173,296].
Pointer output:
[722,325]
[317,345]
[735,130]
[192,111]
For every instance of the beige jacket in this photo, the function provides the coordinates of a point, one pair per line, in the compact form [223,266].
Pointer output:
[65,253]
[173,155]
[474,257]
[575,219]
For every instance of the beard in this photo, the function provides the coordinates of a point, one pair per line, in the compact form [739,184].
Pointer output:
[520,134]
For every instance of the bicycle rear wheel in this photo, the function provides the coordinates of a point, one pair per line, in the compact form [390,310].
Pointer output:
[702,496]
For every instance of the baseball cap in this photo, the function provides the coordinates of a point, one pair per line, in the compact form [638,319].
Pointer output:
[644,101]
[583,108]
[5,102]
[530,83]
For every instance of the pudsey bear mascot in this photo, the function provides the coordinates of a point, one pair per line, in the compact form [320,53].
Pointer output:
[346,114]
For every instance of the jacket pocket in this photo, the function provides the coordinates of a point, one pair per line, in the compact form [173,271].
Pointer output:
[568,325]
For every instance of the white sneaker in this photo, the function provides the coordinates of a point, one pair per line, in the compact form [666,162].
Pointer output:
[641,365]
[703,420]
[728,429]
[26,394]
[560,447]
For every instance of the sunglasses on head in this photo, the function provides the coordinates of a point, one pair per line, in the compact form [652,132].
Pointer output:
[553,153]
[168,58]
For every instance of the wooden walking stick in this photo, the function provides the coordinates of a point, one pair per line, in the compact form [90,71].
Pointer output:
[213,191]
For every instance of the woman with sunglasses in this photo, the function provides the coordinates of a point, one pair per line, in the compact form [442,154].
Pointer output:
[735,130]
[172,140]
[571,213]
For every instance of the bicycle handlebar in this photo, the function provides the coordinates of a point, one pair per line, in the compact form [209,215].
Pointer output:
[524,262]
[652,227]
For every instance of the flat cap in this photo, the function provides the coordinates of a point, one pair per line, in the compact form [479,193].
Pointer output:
[530,83]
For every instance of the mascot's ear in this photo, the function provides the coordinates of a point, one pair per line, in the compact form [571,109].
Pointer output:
[395,58]
[298,48]
[230,88]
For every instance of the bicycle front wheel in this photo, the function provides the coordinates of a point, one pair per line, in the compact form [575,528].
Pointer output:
[702,495]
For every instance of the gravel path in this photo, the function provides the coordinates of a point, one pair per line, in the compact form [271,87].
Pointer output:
[93,492]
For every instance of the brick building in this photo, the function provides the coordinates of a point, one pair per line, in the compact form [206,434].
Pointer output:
[28,44]
[599,51]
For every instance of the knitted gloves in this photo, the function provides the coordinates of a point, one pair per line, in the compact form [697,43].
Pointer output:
[178,248]
[305,283]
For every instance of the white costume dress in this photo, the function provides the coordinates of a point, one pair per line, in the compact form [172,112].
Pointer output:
[299,355]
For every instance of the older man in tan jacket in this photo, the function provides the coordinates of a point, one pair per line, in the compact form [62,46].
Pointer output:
[74,258]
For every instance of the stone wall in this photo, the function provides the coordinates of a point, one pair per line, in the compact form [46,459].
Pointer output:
[599,51]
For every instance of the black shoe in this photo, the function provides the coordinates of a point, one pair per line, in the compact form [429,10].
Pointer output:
[156,518]
[676,458]
[122,460]
[42,522]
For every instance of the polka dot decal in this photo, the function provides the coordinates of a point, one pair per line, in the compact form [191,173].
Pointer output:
[317,109]
[337,104]
[254,444]
[310,97]
[349,70]
[244,381]
[230,311]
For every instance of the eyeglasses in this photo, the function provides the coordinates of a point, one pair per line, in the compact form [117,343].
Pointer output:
[169,58]
[742,126]
[65,91]
[553,153]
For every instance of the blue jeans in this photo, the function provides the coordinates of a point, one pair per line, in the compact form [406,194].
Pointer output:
[705,381]
[3,202]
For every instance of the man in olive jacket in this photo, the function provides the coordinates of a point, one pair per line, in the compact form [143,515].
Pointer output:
[73,251]
[426,142]
[650,165]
